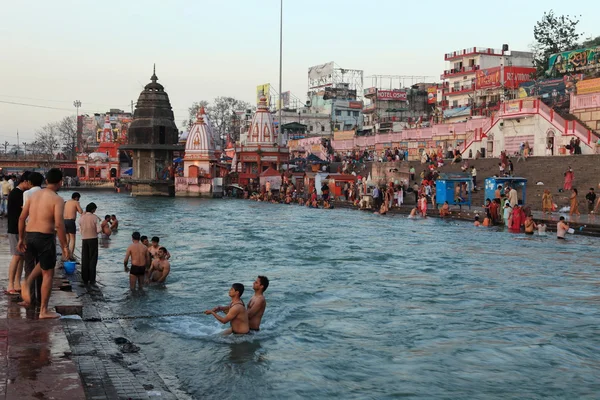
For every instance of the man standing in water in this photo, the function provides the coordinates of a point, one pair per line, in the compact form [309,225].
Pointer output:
[45,210]
[72,208]
[160,268]
[236,312]
[139,259]
[257,303]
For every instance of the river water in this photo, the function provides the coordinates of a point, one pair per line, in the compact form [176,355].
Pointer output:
[359,305]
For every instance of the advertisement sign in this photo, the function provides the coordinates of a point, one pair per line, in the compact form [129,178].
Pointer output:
[487,78]
[391,95]
[343,135]
[320,71]
[513,77]
[358,105]
[431,95]
[285,99]
[579,60]
[371,90]
[263,90]
[588,86]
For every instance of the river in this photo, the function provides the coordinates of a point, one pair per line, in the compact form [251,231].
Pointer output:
[359,305]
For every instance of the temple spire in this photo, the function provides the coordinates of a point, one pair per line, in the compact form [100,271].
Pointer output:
[154,78]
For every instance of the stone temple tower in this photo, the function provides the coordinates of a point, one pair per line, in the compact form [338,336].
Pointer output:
[153,137]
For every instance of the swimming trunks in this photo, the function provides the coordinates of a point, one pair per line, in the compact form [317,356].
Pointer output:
[137,270]
[70,226]
[529,233]
[42,248]
[254,330]
[562,238]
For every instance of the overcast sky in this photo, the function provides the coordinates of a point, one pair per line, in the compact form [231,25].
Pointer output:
[54,52]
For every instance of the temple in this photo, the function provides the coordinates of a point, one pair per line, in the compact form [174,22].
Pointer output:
[153,138]
[201,172]
[259,150]
[103,163]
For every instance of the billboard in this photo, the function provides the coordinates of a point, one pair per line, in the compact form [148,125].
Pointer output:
[492,77]
[588,86]
[318,72]
[285,99]
[432,95]
[93,127]
[487,78]
[263,90]
[579,60]
[391,95]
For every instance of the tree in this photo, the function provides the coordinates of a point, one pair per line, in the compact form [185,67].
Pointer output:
[220,114]
[48,141]
[591,42]
[553,34]
[67,135]
[6,144]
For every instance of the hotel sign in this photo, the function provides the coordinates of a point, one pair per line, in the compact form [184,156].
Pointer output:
[392,95]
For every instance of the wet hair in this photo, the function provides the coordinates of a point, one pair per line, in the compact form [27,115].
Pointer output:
[107,217]
[592,189]
[36,178]
[54,176]
[264,281]
[562,218]
[76,196]
[238,287]
[135,236]
[155,239]
[164,249]
[91,207]
[113,216]
[477,218]
[144,238]
[26,177]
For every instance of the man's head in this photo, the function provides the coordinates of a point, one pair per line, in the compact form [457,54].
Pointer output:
[155,240]
[261,283]
[75,196]
[562,219]
[162,252]
[113,217]
[107,217]
[54,177]
[24,182]
[499,186]
[91,208]
[144,239]
[591,190]
[237,289]
[36,179]
[135,236]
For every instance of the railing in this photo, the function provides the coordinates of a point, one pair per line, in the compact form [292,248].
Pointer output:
[472,50]
[457,71]
[182,180]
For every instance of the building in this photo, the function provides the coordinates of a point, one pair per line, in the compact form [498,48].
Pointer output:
[460,87]
[153,138]
[316,124]
[91,127]
[259,149]
[200,170]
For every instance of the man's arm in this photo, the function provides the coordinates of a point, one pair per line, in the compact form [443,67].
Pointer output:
[22,218]
[79,210]
[59,225]
[233,312]
[256,307]
[165,273]
[126,261]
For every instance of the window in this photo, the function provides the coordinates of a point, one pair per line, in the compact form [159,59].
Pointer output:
[349,113]
[161,135]
[338,113]
[310,128]
[355,113]
[455,103]
[457,85]
[322,128]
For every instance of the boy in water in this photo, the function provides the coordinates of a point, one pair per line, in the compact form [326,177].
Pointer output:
[114,223]
[257,303]
[105,226]
[236,312]
[139,259]
[160,267]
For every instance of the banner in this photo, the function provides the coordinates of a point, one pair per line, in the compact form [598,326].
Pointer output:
[285,99]
[391,95]
[320,71]
[579,60]
[432,95]
[513,77]
[358,105]
[588,86]
[487,78]
[343,135]
[263,90]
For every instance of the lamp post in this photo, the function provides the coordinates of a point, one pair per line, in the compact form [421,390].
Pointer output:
[280,139]
[76,104]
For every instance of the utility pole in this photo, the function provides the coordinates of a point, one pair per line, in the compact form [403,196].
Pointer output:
[280,140]
[18,141]
[77,104]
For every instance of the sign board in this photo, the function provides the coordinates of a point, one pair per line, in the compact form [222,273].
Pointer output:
[391,95]
[579,60]
[263,90]
[588,86]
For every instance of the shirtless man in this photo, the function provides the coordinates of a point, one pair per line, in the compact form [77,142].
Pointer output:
[561,228]
[144,240]
[236,312]
[153,248]
[105,227]
[257,303]
[114,223]
[139,259]
[72,208]
[160,268]
[45,210]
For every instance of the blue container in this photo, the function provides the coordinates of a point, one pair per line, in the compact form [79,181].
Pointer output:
[69,267]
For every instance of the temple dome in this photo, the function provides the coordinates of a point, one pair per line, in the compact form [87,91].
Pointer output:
[200,142]
[261,130]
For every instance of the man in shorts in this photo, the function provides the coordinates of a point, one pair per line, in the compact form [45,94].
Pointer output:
[14,207]
[45,209]
[72,208]
[236,312]
[140,257]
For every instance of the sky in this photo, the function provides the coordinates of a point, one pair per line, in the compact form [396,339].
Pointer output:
[102,53]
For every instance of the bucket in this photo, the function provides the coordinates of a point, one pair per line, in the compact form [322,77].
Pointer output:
[69,267]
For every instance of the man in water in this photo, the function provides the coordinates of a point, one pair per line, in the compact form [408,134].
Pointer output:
[257,303]
[561,229]
[139,259]
[45,210]
[236,312]
[153,248]
[72,207]
[144,240]
[105,227]
[114,223]
[88,226]
[160,268]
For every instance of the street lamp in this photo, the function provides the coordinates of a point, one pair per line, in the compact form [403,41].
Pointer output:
[76,104]
[280,139]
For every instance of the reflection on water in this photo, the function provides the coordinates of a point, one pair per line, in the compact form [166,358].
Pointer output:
[359,306]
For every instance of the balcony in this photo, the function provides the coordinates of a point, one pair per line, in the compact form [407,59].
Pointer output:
[472,51]
[459,71]
[460,90]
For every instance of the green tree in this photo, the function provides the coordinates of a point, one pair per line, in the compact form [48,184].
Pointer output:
[591,42]
[553,34]
[220,113]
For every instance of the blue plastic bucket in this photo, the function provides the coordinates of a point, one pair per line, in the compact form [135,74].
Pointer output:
[69,267]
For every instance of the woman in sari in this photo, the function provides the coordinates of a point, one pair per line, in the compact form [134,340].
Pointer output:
[574,203]
[547,202]
[569,176]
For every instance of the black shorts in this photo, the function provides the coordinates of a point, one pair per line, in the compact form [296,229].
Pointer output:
[42,248]
[137,270]
[70,226]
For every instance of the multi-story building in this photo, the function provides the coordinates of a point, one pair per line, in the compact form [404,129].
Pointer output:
[460,79]
[317,124]
[340,104]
